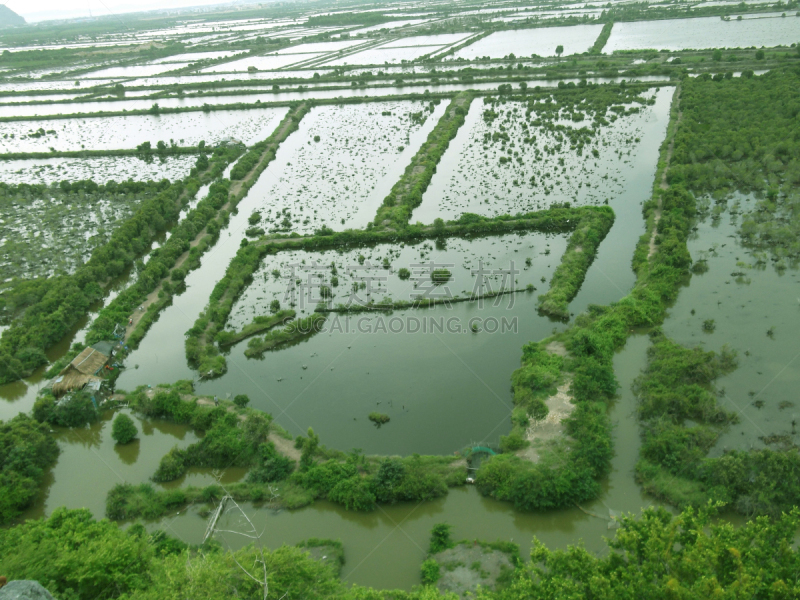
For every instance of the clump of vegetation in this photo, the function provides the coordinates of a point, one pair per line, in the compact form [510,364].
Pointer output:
[123,429]
[709,325]
[430,572]
[440,538]
[73,410]
[439,276]
[378,418]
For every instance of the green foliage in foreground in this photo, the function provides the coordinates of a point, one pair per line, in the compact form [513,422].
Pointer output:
[350,480]
[661,556]
[26,451]
[657,555]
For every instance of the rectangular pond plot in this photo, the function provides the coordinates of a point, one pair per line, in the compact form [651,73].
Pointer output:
[61,85]
[317,47]
[387,26]
[704,32]
[195,56]
[99,169]
[444,39]
[490,169]
[738,301]
[134,71]
[342,179]
[373,274]
[259,62]
[380,56]
[527,42]
[41,235]
[441,389]
[107,133]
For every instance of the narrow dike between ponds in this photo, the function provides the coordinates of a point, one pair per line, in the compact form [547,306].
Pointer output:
[160,351]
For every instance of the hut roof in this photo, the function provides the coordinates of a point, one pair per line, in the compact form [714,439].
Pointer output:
[80,371]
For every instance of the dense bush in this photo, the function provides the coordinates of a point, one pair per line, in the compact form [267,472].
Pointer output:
[26,451]
[74,410]
[123,430]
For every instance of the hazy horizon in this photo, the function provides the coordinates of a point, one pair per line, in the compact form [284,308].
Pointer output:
[44,10]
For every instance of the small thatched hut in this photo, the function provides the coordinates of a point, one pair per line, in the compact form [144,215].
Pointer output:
[83,369]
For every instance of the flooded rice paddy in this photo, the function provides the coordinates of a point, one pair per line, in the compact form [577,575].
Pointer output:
[364,275]
[383,55]
[55,233]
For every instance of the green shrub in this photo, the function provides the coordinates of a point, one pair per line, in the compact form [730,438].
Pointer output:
[241,400]
[378,418]
[430,572]
[172,466]
[354,493]
[26,451]
[440,538]
[123,430]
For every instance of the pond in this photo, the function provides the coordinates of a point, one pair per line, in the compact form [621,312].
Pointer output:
[107,133]
[702,32]
[98,168]
[486,175]
[746,299]
[532,256]
[382,55]
[384,548]
[91,463]
[527,42]
[261,63]
[340,165]
[134,71]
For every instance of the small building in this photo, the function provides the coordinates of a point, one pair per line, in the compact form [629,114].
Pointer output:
[84,369]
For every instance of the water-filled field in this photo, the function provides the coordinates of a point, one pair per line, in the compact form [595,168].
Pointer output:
[373,275]
[341,178]
[317,47]
[444,39]
[382,55]
[106,133]
[705,32]
[134,71]
[260,63]
[49,232]
[195,56]
[744,302]
[504,160]
[527,42]
[99,168]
